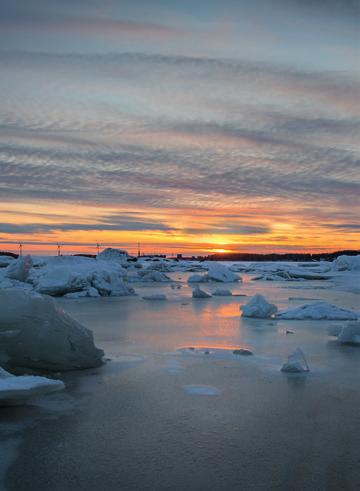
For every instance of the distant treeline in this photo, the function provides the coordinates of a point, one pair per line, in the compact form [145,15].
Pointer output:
[240,256]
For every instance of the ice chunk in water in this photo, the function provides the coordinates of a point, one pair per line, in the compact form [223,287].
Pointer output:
[155,296]
[350,334]
[258,307]
[296,363]
[198,293]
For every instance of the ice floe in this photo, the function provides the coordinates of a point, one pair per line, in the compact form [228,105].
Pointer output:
[197,278]
[222,292]
[19,269]
[347,263]
[317,311]
[115,255]
[219,272]
[349,334]
[6,260]
[198,293]
[15,390]
[258,307]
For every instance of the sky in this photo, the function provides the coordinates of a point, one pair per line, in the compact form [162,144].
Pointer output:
[188,127]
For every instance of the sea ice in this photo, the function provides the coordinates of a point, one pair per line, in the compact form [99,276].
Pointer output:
[16,390]
[198,293]
[347,263]
[5,261]
[151,275]
[350,334]
[258,307]
[59,280]
[219,272]
[197,278]
[19,269]
[112,254]
[46,336]
[155,296]
[318,311]
[296,363]
[222,292]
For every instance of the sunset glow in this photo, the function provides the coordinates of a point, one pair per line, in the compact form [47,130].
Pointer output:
[192,134]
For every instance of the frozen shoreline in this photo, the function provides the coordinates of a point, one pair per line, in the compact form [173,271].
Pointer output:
[153,415]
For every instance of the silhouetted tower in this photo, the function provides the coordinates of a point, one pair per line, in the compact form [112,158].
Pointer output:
[20,249]
[98,247]
[59,249]
[138,249]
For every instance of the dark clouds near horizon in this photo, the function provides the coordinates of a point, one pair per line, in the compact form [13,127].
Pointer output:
[181,106]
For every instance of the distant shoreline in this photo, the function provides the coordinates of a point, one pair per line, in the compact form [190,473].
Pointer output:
[236,256]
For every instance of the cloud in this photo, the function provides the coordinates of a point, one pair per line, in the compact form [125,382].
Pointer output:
[178,133]
[230,229]
[119,224]
[349,227]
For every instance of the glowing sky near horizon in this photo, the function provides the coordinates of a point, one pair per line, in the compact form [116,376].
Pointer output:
[185,126]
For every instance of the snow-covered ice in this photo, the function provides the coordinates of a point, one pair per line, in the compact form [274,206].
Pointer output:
[347,263]
[114,255]
[318,311]
[197,278]
[19,269]
[219,272]
[154,332]
[16,390]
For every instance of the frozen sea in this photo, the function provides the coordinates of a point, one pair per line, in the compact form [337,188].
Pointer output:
[174,408]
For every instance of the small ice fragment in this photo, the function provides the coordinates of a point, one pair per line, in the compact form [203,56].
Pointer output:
[222,292]
[242,351]
[155,296]
[350,334]
[296,363]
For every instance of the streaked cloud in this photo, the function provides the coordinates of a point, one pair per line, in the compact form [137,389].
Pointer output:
[180,123]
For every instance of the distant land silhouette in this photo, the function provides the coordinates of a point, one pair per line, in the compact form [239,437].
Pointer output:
[241,256]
